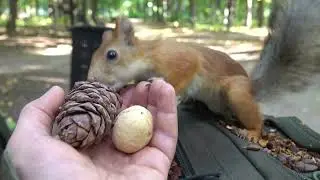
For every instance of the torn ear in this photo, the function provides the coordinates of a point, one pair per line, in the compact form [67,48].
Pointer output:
[124,30]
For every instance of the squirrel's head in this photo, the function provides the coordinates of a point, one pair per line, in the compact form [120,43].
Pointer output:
[119,59]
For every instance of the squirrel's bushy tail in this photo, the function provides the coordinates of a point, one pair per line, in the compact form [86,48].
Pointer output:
[290,59]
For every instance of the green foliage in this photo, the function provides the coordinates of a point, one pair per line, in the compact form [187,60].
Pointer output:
[11,123]
[34,21]
[8,121]
[209,13]
[3,21]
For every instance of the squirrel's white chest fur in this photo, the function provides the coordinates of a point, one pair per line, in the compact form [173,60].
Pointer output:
[206,92]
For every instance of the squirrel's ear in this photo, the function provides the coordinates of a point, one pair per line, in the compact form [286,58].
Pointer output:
[107,36]
[124,30]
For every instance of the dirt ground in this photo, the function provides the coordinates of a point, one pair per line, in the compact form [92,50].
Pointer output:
[24,77]
[31,65]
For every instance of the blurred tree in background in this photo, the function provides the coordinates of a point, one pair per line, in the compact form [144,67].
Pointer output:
[201,14]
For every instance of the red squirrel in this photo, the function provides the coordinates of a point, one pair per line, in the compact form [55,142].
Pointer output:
[195,72]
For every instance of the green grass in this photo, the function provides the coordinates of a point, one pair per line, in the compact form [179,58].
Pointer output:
[32,21]
[3,21]
[209,27]
[35,21]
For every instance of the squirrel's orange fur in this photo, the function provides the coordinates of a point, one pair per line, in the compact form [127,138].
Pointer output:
[196,72]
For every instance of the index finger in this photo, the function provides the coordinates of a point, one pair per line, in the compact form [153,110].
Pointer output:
[162,104]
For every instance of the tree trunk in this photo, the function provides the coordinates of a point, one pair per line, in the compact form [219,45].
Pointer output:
[213,8]
[37,7]
[260,13]
[159,5]
[229,15]
[84,12]
[140,6]
[11,24]
[1,6]
[94,6]
[146,9]
[55,17]
[218,3]
[249,13]
[71,11]
[167,5]
[192,12]
[176,11]
[170,4]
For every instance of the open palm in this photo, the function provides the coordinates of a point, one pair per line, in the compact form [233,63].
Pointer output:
[36,155]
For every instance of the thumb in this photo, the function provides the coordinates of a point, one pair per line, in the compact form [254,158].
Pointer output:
[38,115]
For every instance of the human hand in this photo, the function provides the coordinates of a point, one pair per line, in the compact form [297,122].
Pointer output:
[36,155]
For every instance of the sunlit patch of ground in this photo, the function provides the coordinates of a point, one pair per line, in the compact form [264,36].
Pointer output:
[59,50]
[242,44]
[256,32]
[32,42]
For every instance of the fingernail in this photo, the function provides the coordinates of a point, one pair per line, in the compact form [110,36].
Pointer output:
[154,78]
[49,91]
[148,85]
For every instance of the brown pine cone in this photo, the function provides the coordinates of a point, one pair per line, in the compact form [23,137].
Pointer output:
[87,115]
[175,171]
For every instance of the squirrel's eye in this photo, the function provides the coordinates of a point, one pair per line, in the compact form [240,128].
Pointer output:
[112,54]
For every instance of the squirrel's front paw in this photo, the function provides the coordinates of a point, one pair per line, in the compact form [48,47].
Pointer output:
[253,135]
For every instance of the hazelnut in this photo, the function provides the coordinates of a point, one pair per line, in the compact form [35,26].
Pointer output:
[133,129]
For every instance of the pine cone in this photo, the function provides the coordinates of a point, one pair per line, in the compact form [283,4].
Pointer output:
[87,115]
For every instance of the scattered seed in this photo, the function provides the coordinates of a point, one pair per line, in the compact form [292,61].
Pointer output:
[266,150]
[284,149]
[303,167]
[309,161]
[263,142]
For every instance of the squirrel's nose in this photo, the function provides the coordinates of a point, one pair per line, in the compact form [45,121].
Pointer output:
[118,86]
[90,78]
